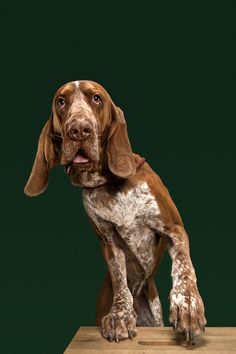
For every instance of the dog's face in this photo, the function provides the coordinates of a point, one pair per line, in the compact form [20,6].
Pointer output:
[86,133]
[82,114]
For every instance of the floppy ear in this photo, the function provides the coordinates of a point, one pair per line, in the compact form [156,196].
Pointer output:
[120,156]
[45,159]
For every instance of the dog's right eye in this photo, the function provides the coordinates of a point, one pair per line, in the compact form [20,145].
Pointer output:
[61,102]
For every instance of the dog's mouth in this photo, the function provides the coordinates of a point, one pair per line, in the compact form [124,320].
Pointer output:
[80,159]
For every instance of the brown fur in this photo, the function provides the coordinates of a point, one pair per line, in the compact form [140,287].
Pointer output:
[129,208]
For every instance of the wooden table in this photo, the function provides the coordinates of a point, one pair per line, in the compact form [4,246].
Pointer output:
[150,340]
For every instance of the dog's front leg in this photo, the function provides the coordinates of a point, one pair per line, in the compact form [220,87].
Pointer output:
[186,305]
[120,323]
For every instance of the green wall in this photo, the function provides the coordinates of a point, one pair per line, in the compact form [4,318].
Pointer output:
[172,71]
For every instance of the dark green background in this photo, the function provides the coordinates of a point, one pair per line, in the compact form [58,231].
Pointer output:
[172,70]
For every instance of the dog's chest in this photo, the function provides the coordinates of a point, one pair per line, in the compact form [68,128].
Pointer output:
[133,215]
[124,209]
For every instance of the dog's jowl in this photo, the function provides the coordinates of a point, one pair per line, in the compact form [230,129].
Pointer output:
[129,208]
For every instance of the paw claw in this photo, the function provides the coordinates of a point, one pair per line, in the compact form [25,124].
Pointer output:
[131,334]
[110,337]
[117,328]
[201,326]
[175,325]
[189,338]
[187,312]
[186,334]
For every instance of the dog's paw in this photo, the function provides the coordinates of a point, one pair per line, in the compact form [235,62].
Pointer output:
[117,326]
[187,312]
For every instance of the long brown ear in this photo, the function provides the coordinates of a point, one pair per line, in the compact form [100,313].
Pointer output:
[120,157]
[45,159]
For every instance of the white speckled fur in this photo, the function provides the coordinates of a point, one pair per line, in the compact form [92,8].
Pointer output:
[124,208]
[132,213]
[156,309]
[80,111]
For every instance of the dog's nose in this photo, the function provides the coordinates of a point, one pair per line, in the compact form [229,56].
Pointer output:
[80,131]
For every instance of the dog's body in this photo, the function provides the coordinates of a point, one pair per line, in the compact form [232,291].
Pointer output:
[129,208]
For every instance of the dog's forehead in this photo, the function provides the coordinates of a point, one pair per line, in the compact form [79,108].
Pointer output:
[78,86]
[84,85]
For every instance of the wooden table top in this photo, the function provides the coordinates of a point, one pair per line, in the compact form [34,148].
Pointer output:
[150,340]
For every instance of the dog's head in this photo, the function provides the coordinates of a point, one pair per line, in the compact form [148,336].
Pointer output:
[86,132]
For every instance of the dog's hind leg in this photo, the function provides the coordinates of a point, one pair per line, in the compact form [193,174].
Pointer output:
[104,301]
[147,306]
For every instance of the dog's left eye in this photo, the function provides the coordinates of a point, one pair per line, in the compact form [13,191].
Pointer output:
[97,99]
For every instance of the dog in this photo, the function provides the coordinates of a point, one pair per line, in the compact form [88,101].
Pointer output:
[129,208]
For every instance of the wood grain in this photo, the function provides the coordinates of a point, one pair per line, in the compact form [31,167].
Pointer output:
[152,340]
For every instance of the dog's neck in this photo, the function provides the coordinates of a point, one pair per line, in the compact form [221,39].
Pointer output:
[89,179]
[100,176]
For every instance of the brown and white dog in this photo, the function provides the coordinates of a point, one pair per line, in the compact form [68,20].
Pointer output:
[129,208]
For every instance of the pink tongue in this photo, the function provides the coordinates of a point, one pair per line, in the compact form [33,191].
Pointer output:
[79,158]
